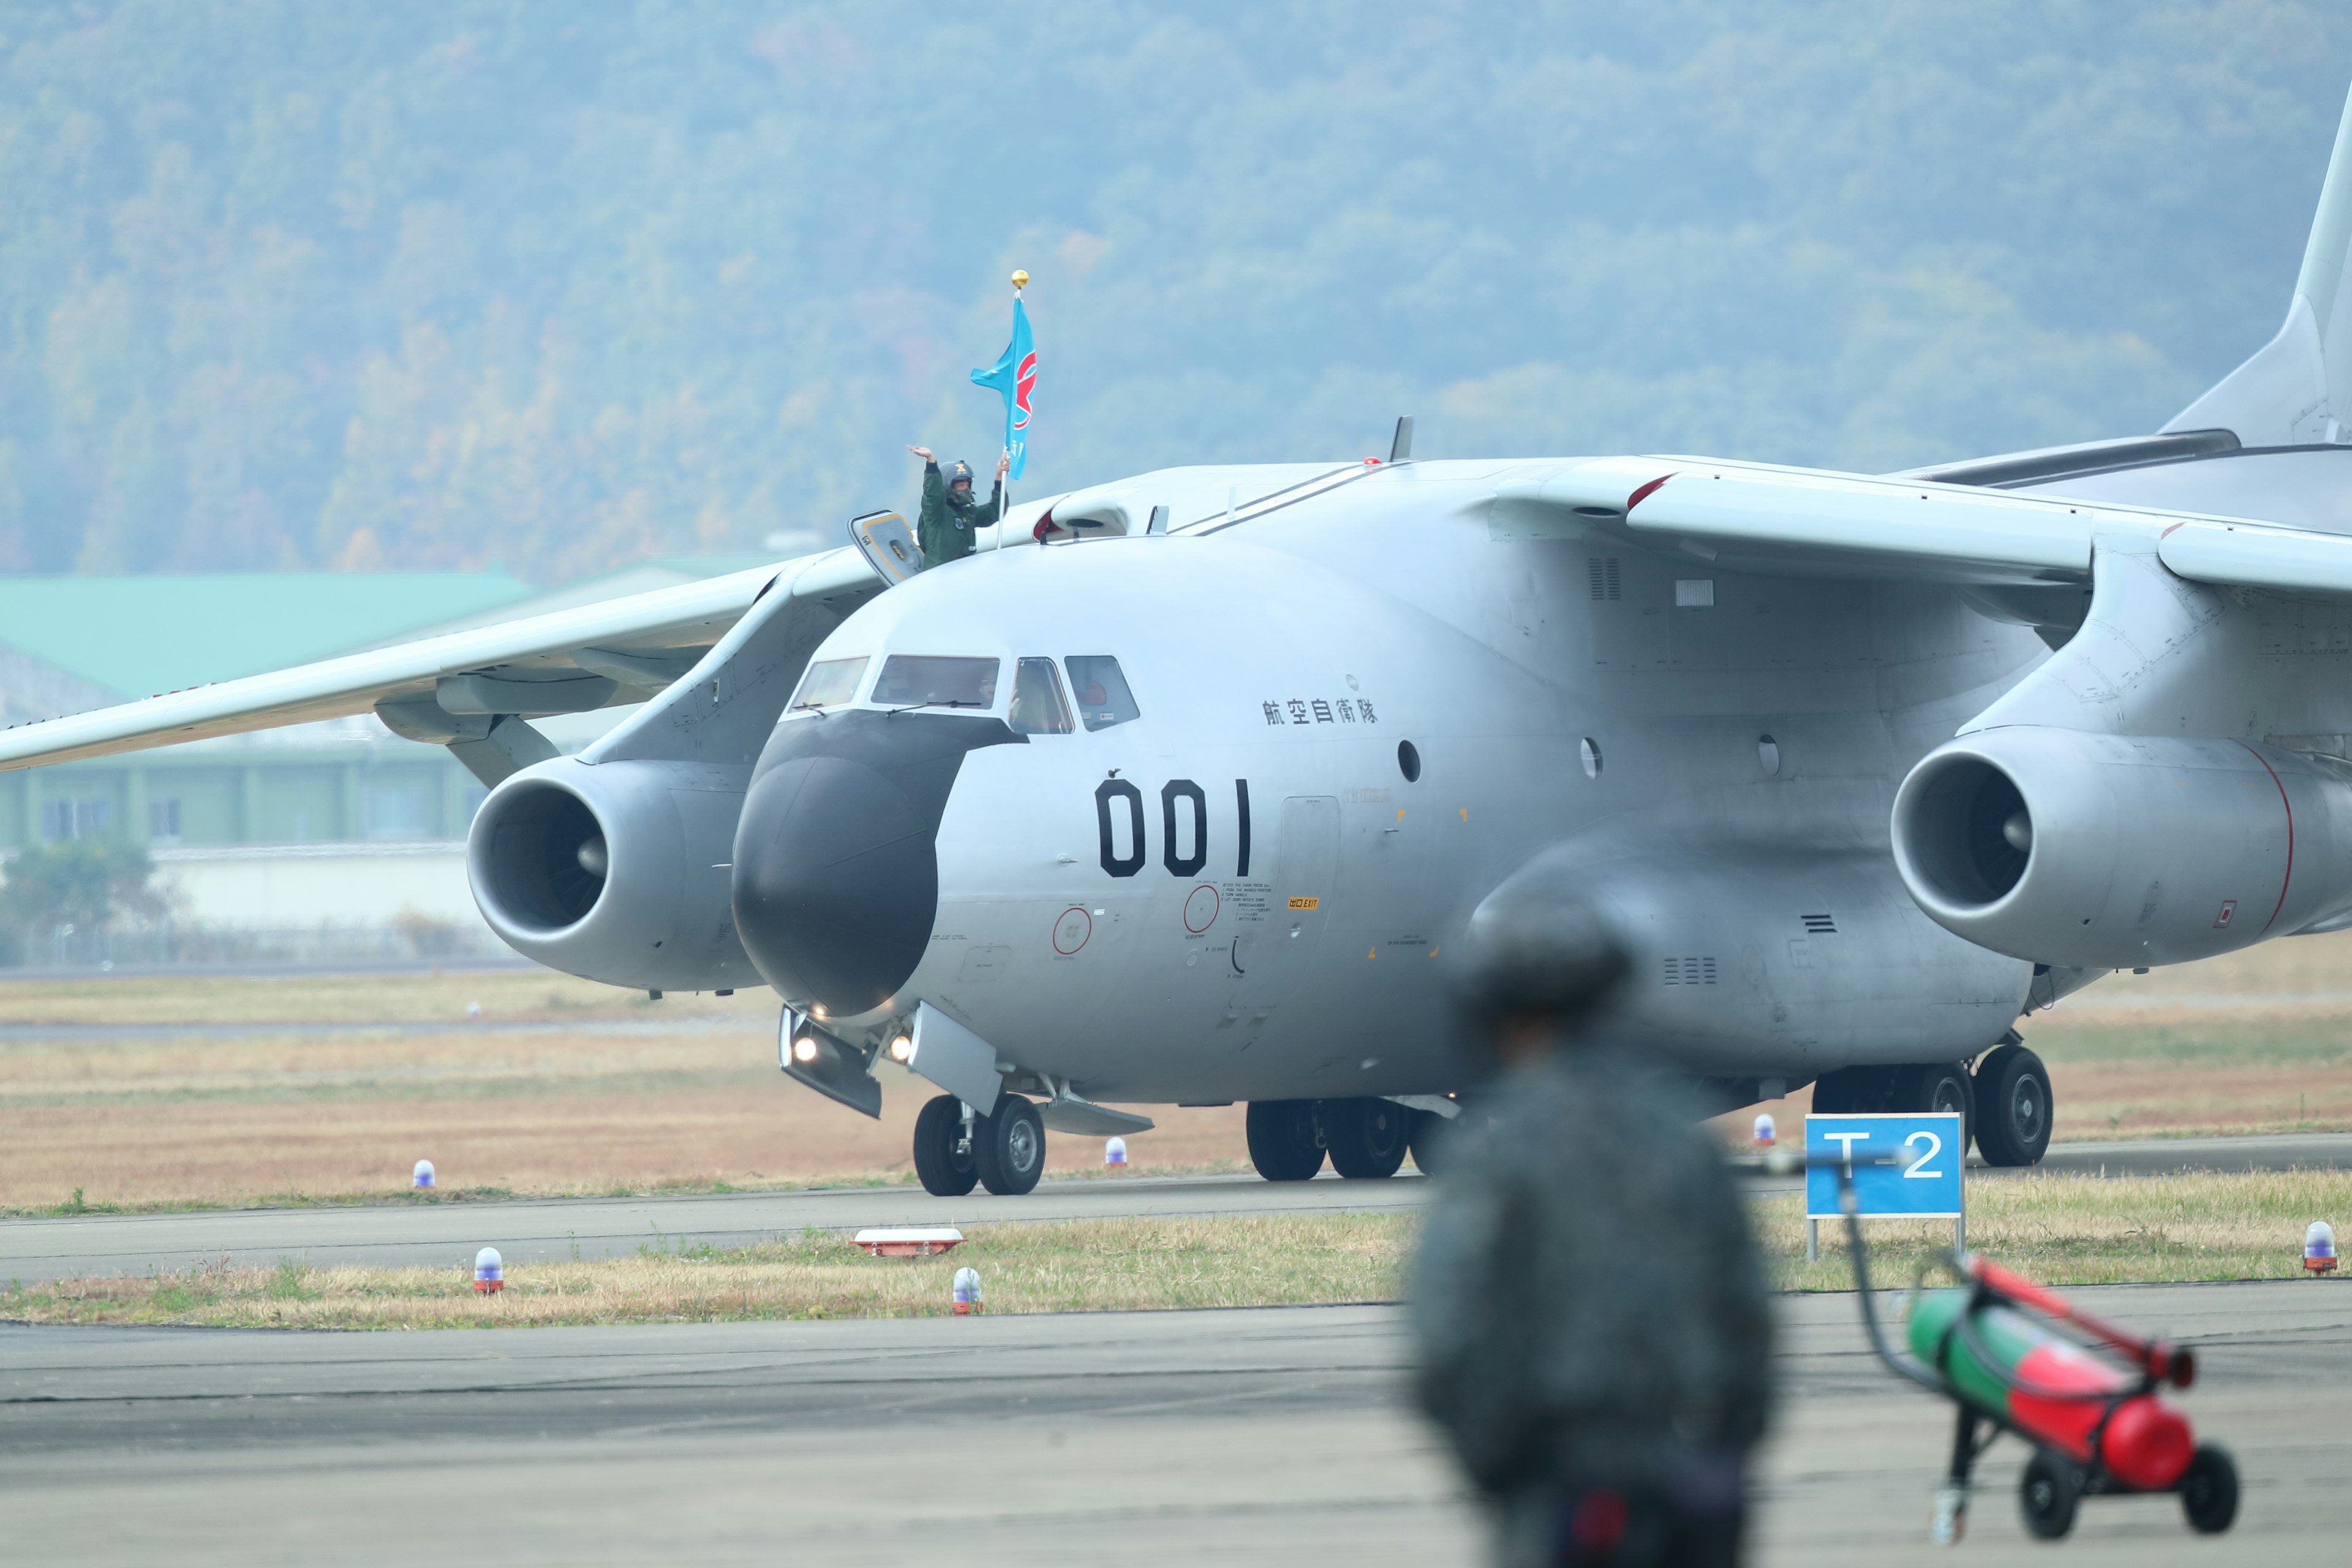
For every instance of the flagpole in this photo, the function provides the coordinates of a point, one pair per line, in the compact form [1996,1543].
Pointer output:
[1004,495]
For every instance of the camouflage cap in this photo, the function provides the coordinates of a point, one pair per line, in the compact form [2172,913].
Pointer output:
[1537,953]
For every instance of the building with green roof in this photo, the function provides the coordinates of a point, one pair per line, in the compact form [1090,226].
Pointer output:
[68,644]
[333,823]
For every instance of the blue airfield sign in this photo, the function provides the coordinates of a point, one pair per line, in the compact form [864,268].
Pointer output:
[1923,1181]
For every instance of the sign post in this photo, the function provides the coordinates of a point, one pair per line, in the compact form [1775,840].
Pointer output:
[1906,1165]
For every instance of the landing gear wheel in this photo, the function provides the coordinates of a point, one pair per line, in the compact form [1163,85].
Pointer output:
[1368,1137]
[1940,1088]
[1429,1134]
[945,1170]
[2209,1490]
[2047,1495]
[2014,1106]
[1285,1145]
[1851,1091]
[1009,1147]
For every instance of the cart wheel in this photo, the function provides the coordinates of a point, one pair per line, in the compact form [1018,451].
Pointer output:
[2048,1494]
[2209,1490]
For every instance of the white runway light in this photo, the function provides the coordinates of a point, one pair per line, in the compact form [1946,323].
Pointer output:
[423,1176]
[473,1009]
[909,1241]
[1115,1151]
[489,1270]
[1766,1134]
[2319,1248]
[967,1292]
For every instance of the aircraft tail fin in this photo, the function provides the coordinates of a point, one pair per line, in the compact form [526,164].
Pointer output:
[2296,390]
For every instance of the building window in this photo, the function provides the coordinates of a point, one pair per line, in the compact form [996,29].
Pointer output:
[65,819]
[163,819]
[394,813]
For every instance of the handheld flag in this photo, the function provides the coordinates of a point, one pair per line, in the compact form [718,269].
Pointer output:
[1014,377]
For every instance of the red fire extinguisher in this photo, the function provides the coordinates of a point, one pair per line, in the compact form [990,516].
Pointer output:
[2015,1356]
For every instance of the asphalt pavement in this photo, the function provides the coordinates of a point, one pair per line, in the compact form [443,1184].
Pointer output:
[1277,1437]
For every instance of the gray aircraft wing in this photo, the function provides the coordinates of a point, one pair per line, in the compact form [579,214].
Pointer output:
[1756,517]
[472,690]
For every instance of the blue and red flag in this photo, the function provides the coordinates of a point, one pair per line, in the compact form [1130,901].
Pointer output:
[1014,377]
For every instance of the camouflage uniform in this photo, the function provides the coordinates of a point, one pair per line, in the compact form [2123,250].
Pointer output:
[1594,1326]
[944,526]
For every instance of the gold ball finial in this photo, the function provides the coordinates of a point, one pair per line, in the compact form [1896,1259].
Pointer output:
[1020,278]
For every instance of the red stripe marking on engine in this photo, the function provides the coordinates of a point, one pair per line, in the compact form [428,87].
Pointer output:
[2289,808]
[1638,496]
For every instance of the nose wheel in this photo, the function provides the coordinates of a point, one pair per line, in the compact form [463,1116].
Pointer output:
[944,1162]
[1004,1151]
[1009,1145]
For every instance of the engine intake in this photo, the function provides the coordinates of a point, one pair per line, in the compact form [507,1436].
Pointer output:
[2106,852]
[614,872]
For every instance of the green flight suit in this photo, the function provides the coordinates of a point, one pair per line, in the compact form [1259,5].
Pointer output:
[944,526]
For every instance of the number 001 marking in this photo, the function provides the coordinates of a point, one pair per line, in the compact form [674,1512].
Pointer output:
[1935,1147]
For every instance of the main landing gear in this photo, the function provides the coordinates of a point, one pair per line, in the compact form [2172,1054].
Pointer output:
[2007,1100]
[1003,1150]
[1366,1138]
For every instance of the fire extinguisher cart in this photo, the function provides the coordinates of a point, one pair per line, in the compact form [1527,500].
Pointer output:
[2014,1356]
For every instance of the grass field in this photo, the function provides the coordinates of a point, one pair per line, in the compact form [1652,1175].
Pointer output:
[562,1085]
[603,1092]
[2065,1230]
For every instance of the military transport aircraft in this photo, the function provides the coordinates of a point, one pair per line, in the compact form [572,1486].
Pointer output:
[1180,788]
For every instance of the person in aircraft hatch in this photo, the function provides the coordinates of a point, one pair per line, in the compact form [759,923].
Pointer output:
[949,514]
[1593,1331]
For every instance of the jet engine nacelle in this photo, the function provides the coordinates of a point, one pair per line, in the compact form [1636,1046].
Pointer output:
[615,871]
[2108,852]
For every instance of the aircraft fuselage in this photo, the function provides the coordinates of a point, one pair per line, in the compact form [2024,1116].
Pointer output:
[1352,719]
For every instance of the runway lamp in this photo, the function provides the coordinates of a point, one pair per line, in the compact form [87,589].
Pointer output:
[967,1292]
[421,1176]
[2319,1248]
[489,1270]
[1115,1151]
[473,1009]
[1765,1133]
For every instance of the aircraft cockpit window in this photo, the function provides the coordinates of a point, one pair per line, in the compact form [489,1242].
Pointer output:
[1037,705]
[1102,696]
[923,680]
[828,683]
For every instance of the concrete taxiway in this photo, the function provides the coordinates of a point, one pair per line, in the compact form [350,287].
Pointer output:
[1277,1435]
[432,1235]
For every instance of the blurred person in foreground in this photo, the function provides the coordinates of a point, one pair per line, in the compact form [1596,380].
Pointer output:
[1594,1329]
[949,514]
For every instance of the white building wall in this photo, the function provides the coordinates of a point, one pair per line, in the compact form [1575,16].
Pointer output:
[291,886]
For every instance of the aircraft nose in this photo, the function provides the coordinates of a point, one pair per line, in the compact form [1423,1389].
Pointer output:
[837,879]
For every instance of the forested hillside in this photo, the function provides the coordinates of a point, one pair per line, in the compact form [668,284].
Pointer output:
[449,281]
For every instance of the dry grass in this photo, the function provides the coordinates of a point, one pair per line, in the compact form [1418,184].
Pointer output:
[640,1098]
[683,1094]
[2069,1229]
[306,998]
[2259,1041]
[1086,1266]
[2063,1230]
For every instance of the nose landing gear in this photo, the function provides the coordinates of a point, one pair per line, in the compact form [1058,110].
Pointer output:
[944,1162]
[954,1151]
